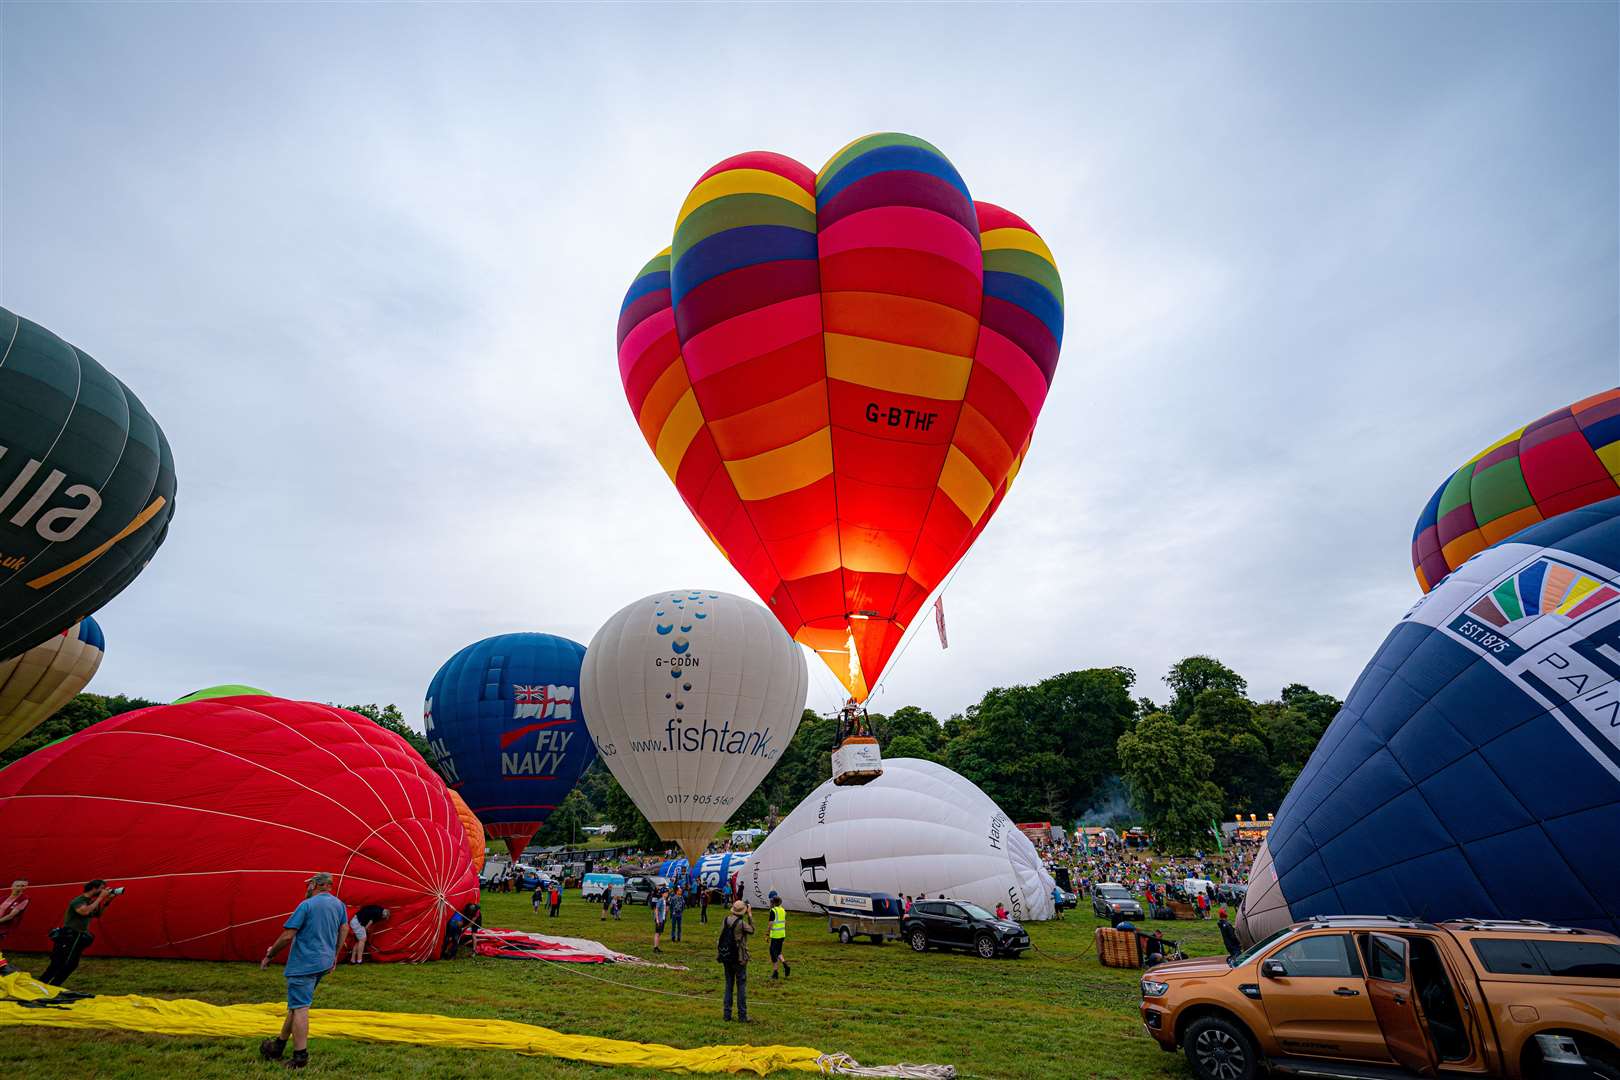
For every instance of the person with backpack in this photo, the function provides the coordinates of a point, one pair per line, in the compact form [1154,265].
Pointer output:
[732,952]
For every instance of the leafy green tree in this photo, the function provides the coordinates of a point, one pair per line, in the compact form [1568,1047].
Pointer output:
[1041,751]
[619,810]
[1168,771]
[908,746]
[389,716]
[1190,677]
[805,764]
[79,713]
[911,722]
[1317,709]
[565,822]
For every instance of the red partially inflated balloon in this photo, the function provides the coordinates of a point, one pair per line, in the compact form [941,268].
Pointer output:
[213,814]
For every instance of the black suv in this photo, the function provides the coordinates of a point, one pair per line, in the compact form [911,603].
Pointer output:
[1113,901]
[957,924]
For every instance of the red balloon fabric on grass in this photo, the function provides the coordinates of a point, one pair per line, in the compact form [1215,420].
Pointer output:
[213,814]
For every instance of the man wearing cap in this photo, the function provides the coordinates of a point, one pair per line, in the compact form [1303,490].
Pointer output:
[778,935]
[739,924]
[317,930]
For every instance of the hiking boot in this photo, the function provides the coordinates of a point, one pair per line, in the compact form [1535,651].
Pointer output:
[299,1060]
[787,969]
[775,975]
[271,1049]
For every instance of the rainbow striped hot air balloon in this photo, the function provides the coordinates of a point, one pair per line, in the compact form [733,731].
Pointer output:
[841,373]
[1565,460]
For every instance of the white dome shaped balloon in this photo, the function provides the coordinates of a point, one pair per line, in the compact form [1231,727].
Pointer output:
[691,696]
[919,828]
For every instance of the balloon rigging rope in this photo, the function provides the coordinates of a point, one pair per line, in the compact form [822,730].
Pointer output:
[831,1064]
[912,631]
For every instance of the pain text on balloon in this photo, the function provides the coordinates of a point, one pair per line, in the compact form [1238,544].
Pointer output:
[1574,672]
[677,661]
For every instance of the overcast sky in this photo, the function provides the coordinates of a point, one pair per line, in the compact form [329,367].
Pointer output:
[364,264]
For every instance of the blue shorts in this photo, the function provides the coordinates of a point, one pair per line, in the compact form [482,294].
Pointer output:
[301,990]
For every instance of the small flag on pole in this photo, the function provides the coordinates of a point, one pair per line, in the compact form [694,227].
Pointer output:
[939,621]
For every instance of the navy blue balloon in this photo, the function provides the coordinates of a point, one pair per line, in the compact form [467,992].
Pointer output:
[504,721]
[1474,771]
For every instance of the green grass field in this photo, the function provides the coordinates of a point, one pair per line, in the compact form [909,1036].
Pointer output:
[1053,1014]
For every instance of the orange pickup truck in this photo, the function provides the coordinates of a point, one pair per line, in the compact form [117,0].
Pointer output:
[1374,997]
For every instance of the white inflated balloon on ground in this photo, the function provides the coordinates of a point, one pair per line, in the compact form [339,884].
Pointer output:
[919,828]
[691,696]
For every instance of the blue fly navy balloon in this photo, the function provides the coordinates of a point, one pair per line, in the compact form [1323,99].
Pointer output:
[503,719]
[1474,771]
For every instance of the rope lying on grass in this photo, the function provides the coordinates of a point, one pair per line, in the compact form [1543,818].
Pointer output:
[25,1002]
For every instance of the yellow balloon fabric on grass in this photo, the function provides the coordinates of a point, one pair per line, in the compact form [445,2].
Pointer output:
[181,1016]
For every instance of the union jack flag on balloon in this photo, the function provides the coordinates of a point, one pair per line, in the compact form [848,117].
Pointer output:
[503,720]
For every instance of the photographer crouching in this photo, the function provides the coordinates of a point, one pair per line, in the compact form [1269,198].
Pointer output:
[69,940]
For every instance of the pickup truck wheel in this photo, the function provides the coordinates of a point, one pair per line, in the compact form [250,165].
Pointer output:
[985,946]
[919,941]
[844,936]
[1218,1049]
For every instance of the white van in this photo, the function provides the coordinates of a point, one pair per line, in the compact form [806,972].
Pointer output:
[595,886]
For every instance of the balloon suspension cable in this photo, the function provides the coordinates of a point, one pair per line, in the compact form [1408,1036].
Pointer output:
[910,636]
[841,1064]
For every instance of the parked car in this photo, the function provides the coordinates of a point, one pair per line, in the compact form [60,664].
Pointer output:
[1387,997]
[531,877]
[640,890]
[1113,901]
[957,924]
[595,885]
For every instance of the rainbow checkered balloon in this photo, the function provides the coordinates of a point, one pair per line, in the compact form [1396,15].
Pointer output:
[1566,460]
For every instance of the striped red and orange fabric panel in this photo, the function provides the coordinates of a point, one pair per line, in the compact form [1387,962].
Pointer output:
[841,372]
[1568,459]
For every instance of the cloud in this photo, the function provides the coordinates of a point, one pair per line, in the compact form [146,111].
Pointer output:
[364,265]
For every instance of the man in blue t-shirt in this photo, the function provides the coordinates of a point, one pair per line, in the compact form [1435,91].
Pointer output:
[317,930]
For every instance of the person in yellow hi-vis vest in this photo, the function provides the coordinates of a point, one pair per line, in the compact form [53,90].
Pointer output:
[778,935]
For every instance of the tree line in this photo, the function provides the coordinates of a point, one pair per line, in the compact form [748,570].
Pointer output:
[1075,747]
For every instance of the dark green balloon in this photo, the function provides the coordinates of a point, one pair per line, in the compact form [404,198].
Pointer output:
[86,485]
